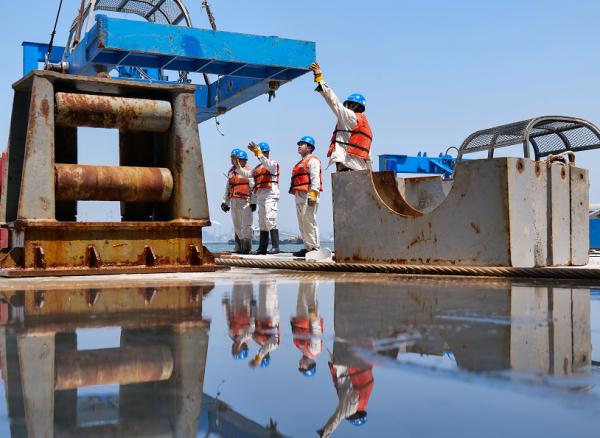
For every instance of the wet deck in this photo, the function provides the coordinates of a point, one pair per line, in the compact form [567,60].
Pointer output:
[483,357]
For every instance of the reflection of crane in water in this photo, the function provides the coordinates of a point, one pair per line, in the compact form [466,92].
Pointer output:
[158,364]
[217,418]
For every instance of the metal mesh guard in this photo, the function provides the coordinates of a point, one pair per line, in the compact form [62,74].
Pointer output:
[547,135]
[158,11]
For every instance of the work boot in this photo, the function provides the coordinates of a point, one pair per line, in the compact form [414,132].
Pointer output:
[274,241]
[300,253]
[238,245]
[263,243]
[246,246]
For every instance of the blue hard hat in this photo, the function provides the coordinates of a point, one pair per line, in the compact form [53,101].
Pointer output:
[308,140]
[264,147]
[265,361]
[242,155]
[357,98]
[358,419]
[240,355]
[310,371]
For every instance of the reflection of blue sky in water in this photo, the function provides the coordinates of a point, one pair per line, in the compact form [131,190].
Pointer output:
[440,353]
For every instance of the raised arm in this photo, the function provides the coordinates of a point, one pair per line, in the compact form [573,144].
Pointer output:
[345,116]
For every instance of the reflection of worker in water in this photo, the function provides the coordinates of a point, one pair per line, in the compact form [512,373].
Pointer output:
[351,141]
[307,328]
[266,332]
[353,384]
[237,199]
[239,310]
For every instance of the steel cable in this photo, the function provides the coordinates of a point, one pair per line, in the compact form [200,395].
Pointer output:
[474,271]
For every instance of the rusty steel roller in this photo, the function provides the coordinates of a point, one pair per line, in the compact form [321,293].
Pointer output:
[125,365]
[78,182]
[73,109]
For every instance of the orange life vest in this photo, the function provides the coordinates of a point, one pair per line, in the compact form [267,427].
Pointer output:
[359,143]
[263,179]
[301,177]
[362,382]
[239,324]
[239,187]
[263,330]
[302,334]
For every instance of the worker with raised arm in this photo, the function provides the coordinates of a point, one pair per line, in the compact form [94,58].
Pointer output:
[306,184]
[353,384]
[350,146]
[266,193]
[237,198]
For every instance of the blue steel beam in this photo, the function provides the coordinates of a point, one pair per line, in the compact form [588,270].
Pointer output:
[34,53]
[114,41]
[248,65]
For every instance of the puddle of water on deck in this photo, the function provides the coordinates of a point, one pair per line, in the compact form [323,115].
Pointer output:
[301,355]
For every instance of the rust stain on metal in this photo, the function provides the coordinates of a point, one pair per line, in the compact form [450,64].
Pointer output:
[387,188]
[178,153]
[520,165]
[74,109]
[45,108]
[77,182]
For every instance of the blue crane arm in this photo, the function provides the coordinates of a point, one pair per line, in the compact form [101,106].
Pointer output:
[248,65]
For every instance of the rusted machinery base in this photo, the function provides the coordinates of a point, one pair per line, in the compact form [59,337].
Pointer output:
[53,248]
[57,272]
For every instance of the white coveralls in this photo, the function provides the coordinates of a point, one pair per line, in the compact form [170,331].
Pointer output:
[266,333]
[241,214]
[240,310]
[348,400]
[307,324]
[266,199]
[346,120]
[307,214]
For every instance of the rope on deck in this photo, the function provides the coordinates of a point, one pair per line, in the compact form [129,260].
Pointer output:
[474,271]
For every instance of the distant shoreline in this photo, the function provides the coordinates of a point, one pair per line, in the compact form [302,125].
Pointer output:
[205,242]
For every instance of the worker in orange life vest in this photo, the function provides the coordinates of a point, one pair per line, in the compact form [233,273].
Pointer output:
[307,328]
[350,146]
[266,193]
[240,310]
[237,198]
[353,384]
[306,184]
[266,330]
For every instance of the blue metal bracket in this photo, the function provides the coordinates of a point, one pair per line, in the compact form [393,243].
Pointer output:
[421,164]
[248,65]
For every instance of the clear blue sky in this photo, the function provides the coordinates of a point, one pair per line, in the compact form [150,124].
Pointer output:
[432,72]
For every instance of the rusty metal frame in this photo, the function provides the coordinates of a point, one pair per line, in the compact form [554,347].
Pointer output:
[163,214]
